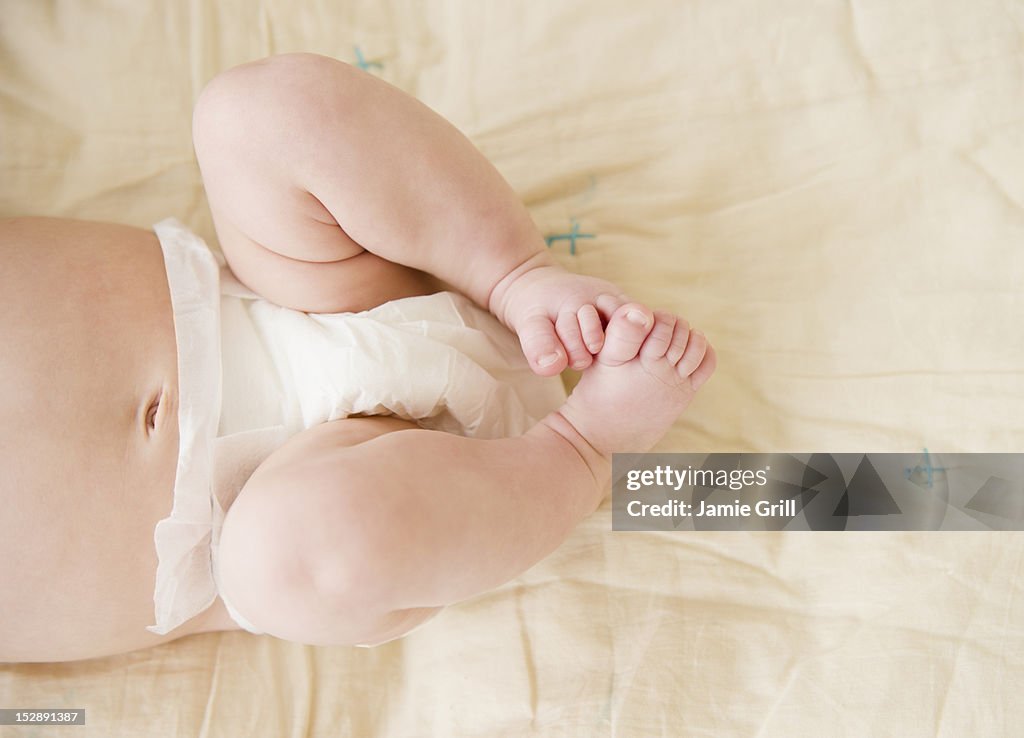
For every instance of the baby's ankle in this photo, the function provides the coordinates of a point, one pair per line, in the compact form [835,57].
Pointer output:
[597,462]
[499,302]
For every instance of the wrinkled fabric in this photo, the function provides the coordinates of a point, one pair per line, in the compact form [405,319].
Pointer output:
[832,190]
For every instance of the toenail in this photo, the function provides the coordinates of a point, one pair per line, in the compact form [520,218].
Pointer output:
[635,316]
[547,359]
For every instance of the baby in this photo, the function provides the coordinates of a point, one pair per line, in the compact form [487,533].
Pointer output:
[353,509]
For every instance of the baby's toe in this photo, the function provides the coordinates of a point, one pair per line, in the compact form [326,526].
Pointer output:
[541,346]
[607,304]
[706,368]
[567,327]
[677,345]
[660,337]
[696,347]
[626,331]
[591,328]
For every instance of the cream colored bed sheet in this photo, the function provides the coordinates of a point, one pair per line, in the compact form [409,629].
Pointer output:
[834,190]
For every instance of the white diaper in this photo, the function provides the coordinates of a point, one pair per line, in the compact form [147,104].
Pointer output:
[252,374]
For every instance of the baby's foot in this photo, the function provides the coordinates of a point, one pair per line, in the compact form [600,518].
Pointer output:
[645,375]
[559,316]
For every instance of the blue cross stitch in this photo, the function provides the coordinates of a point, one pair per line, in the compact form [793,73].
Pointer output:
[362,63]
[926,468]
[571,236]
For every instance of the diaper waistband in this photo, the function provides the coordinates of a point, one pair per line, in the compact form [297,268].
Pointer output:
[182,539]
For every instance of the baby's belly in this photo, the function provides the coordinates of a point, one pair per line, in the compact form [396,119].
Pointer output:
[89,348]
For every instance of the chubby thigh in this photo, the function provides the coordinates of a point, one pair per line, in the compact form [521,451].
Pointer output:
[88,438]
[290,523]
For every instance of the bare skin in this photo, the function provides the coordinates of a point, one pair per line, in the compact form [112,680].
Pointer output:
[330,192]
[89,348]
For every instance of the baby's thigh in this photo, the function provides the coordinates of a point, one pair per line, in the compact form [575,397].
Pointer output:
[291,523]
[322,438]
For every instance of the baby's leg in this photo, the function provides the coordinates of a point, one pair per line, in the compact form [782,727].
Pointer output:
[308,159]
[342,543]
[322,178]
[331,543]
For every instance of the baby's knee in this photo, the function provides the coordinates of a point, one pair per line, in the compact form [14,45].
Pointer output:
[266,94]
[296,561]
